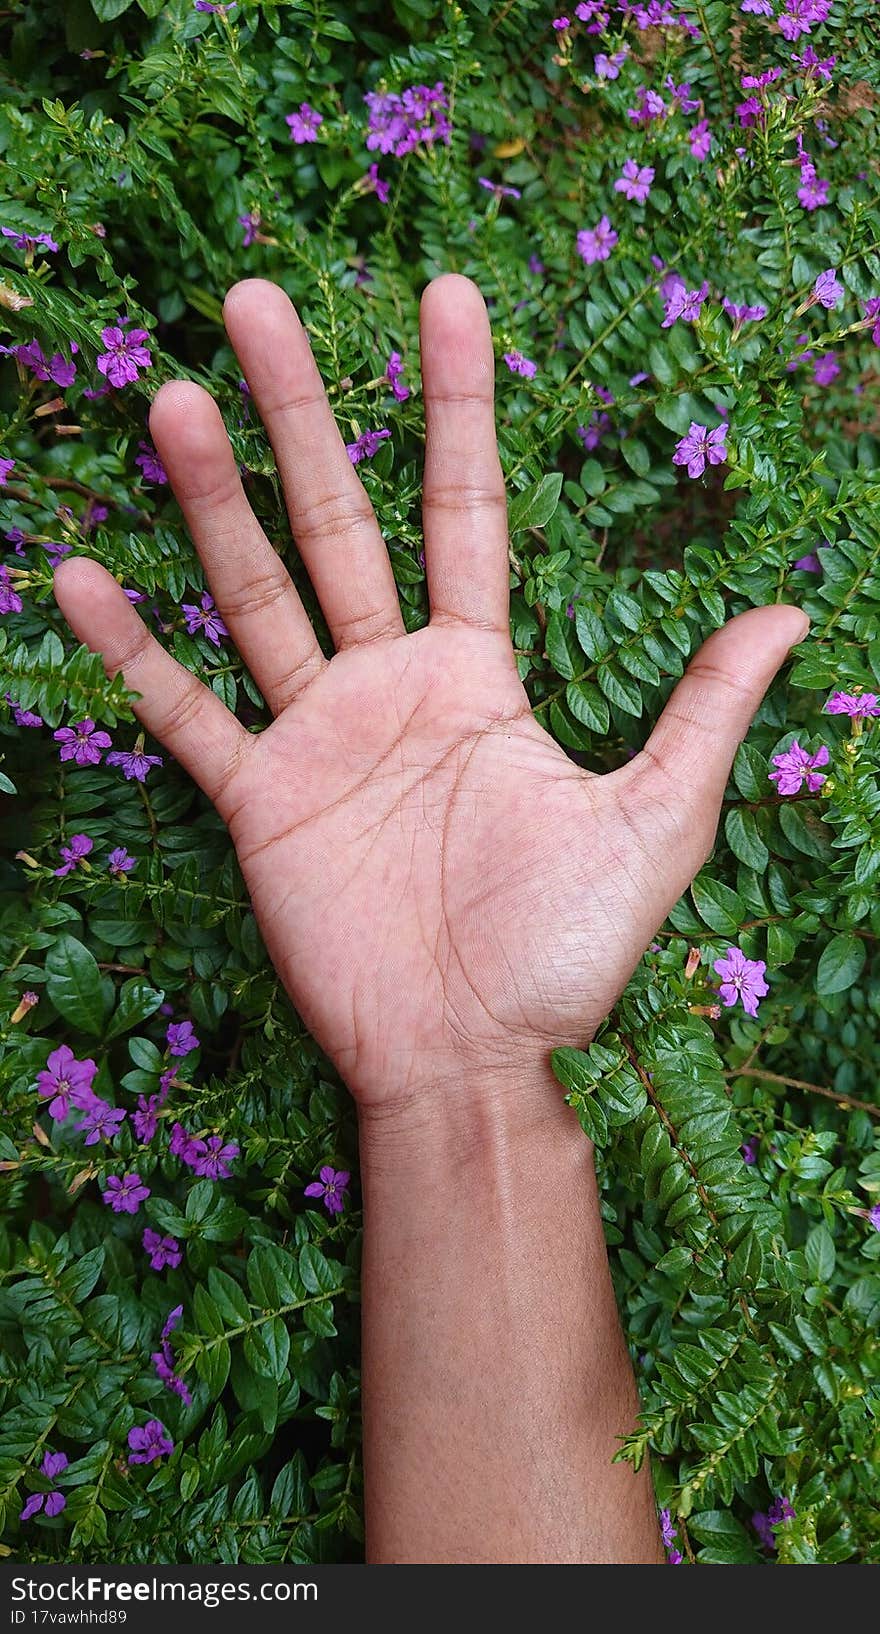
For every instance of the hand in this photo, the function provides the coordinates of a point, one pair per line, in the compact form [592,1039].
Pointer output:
[444,894]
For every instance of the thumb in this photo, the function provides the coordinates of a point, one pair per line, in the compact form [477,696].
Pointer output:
[709,713]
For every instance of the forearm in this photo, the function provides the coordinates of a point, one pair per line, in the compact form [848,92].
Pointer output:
[496,1380]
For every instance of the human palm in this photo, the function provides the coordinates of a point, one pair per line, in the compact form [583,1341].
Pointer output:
[443,892]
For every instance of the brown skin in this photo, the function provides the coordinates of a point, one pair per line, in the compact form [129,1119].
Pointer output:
[446,897]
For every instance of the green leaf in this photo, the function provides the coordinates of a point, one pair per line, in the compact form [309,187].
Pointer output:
[588,706]
[561,645]
[73,983]
[620,689]
[137,1000]
[819,1254]
[720,907]
[534,507]
[741,829]
[841,964]
[591,633]
[107,11]
[318,1275]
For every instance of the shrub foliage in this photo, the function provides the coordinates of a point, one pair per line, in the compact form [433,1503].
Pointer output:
[739,1156]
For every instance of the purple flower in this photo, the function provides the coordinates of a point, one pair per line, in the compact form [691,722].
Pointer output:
[799,15]
[331,1187]
[749,1149]
[33,1505]
[56,368]
[761,1523]
[683,303]
[596,243]
[125,1193]
[680,95]
[146,1118]
[761,8]
[74,853]
[206,618]
[536,267]
[872,314]
[251,225]
[101,1121]
[397,124]
[28,241]
[813,191]
[808,564]
[149,1442]
[742,979]
[53,1465]
[750,112]
[699,446]
[120,862]
[373,183]
[669,1534]
[874,1216]
[780,1510]
[134,763]
[560,23]
[162,1250]
[743,314]
[81,743]
[827,291]
[826,369]
[700,139]
[635,183]
[794,767]
[125,356]
[185,1146]
[304,124]
[163,1361]
[498,189]
[180,1038]
[23,717]
[172,1320]
[10,600]
[151,465]
[6,469]
[756,82]
[517,364]
[214,1160]
[66,1082]
[211,5]
[605,67]
[597,427]
[650,106]
[813,65]
[858,705]
[393,373]
[366,445]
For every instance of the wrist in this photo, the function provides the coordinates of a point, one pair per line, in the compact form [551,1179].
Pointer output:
[471,1120]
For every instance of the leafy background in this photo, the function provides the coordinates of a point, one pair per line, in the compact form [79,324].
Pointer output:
[137,134]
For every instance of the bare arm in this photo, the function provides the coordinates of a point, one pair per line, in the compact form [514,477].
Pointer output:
[446,896]
[496,1380]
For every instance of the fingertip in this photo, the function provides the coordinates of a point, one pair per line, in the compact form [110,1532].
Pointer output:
[255,300]
[176,405]
[452,292]
[799,622]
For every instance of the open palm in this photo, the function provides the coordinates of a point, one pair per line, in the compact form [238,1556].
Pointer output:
[442,891]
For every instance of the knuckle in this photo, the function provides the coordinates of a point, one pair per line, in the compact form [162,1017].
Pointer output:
[464,496]
[184,711]
[261,592]
[330,516]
